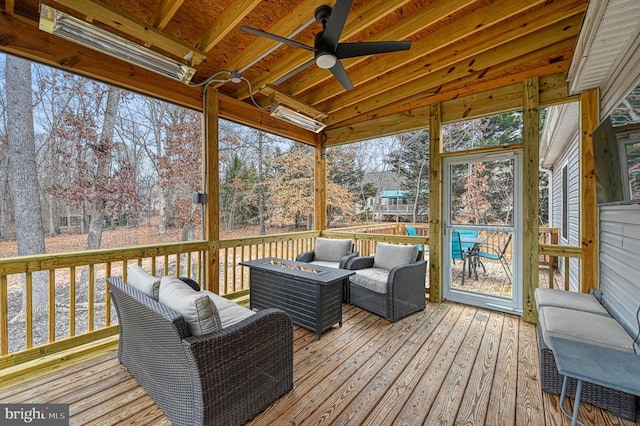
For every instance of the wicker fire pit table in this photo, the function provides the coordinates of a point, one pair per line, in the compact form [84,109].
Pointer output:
[310,294]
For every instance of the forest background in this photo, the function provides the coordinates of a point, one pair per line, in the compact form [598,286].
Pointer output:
[84,165]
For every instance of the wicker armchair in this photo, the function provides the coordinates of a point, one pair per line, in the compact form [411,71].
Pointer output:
[224,377]
[391,283]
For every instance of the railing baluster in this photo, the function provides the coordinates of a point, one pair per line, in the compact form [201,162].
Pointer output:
[29,311]
[178,265]
[72,301]
[566,273]
[90,296]
[52,305]
[4,316]
[107,298]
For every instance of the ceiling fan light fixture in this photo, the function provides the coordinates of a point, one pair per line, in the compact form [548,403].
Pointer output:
[85,34]
[326,60]
[298,119]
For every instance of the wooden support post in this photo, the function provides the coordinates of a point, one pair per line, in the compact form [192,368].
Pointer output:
[435,204]
[212,180]
[589,119]
[320,183]
[530,207]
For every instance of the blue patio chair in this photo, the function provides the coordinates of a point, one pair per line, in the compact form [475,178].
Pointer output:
[493,252]
[412,232]
[457,252]
[468,233]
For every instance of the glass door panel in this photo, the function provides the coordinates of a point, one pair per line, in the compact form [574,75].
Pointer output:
[481,231]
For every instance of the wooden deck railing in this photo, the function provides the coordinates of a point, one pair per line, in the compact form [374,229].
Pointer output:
[77,309]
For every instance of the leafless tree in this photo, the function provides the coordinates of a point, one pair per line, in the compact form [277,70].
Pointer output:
[23,174]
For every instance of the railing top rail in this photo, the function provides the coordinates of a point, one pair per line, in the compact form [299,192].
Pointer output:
[558,250]
[47,261]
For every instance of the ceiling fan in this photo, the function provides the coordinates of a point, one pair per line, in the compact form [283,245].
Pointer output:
[327,50]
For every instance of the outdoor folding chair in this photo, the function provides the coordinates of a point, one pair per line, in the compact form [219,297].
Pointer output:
[495,253]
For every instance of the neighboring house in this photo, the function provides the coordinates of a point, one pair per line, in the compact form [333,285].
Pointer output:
[390,204]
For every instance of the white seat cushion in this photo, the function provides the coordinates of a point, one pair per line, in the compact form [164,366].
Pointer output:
[374,279]
[582,326]
[570,300]
[326,264]
[143,281]
[198,310]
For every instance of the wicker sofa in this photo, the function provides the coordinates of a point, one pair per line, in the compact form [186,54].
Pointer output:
[580,316]
[391,283]
[222,377]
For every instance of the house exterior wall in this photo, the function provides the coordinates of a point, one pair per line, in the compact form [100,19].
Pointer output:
[571,158]
[619,266]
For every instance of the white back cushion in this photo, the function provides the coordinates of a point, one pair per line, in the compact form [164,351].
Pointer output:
[330,249]
[143,281]
[197,309]
[389,255]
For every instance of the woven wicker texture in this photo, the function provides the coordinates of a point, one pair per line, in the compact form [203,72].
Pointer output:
[619,403]
[221,378]
[405,290]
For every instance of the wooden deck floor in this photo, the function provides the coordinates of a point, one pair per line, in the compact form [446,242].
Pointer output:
[450,364]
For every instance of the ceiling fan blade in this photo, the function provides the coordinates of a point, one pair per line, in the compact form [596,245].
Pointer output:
[341,75]
[351,50]
[295,71]
[335,24]
[283,40]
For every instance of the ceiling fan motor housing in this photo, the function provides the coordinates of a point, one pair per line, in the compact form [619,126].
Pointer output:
[325,58]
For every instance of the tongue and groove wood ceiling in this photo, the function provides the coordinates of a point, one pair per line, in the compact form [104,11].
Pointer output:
[459,47]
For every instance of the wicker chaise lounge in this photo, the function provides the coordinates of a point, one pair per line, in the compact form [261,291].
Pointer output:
[224,377]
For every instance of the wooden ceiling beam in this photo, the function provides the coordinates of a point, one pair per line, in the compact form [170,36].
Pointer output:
[227,21]
[487,102]
[383,126]
[146,34]
[551,81]
[285,26]
[471,35]
[164,12]
[413,24]
[390,90]
[357,21]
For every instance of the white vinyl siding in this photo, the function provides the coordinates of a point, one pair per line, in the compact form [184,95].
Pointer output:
[571,158]
[619,265]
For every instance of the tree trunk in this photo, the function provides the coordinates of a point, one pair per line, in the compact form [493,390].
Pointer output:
[96,206]
[261,191]
[23,174]
[4,200]
[103,151]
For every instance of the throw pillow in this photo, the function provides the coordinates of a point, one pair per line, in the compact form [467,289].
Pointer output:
[389,255]
[197,309]
[143,281]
